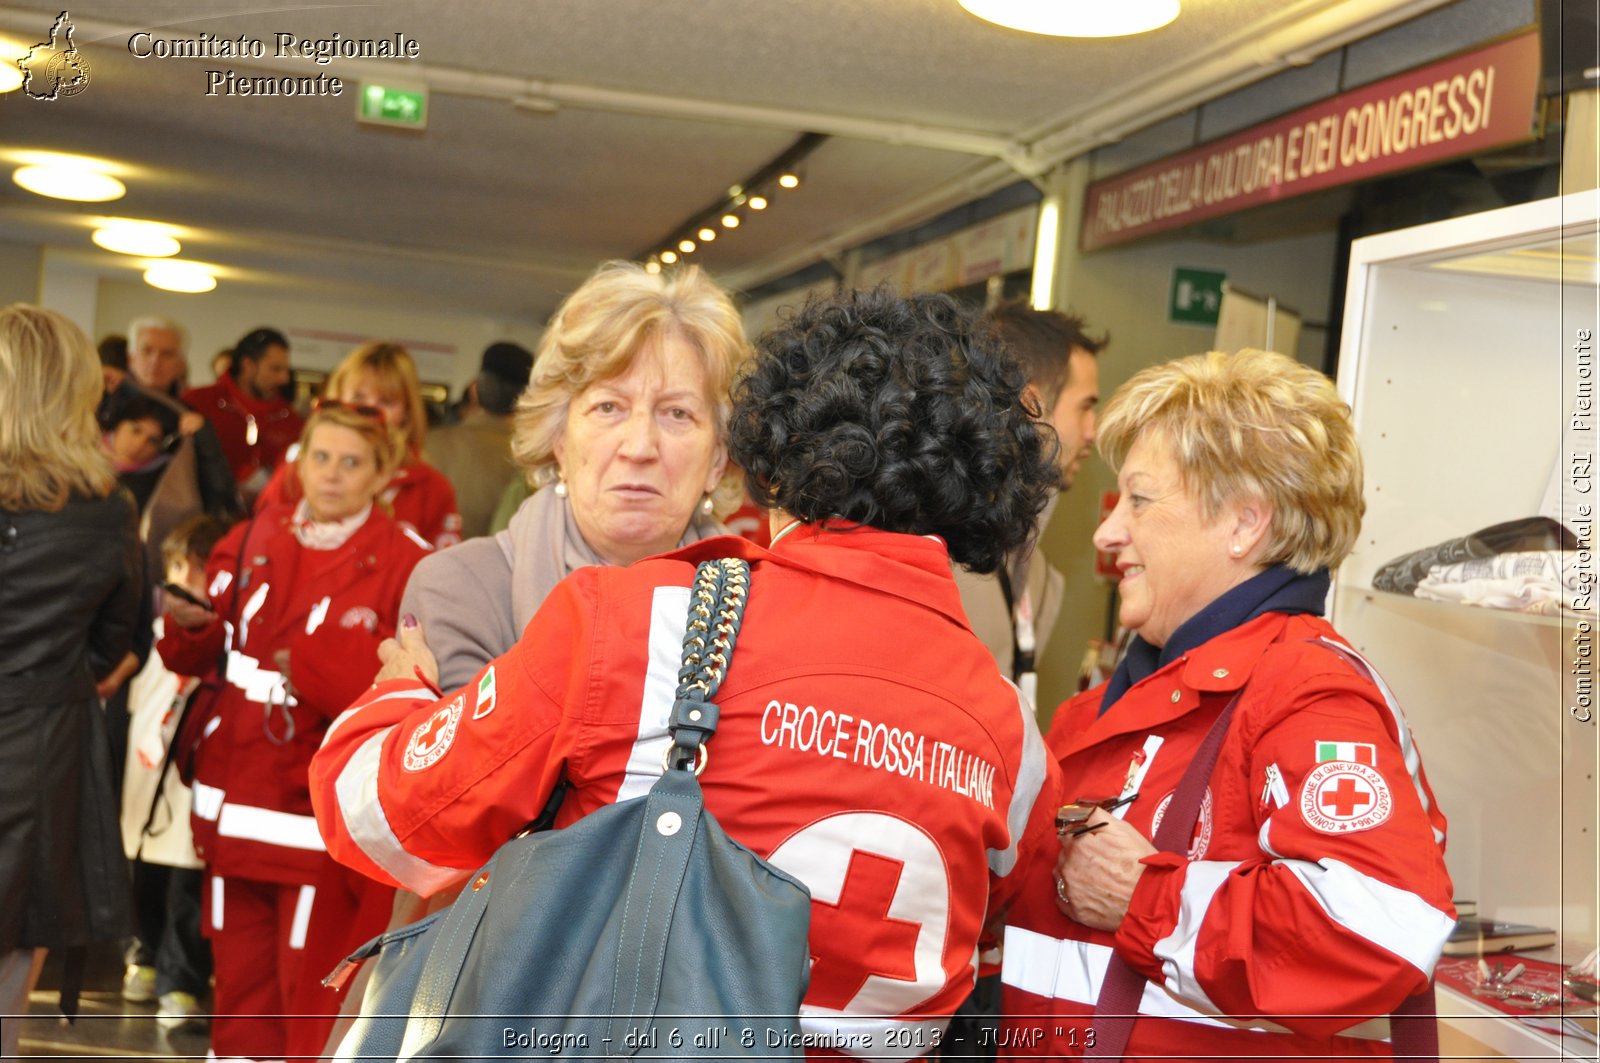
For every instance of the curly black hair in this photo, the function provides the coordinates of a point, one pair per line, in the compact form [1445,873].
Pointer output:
[905,414]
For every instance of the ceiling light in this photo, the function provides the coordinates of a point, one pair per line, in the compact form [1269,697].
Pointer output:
[669,257]
[652,266]
[686,246]
[758,202]
[1076,18]
[180,277]
[708,235]
[789,180]
[10,74]
[70,182]
[148,239]
[730,221]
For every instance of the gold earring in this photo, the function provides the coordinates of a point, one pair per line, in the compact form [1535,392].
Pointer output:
[707,506]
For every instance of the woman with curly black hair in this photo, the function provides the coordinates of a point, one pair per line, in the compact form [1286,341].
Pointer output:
[902,414]
[868,745]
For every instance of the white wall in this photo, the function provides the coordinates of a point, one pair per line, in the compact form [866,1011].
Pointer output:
[19,273]
[217,319]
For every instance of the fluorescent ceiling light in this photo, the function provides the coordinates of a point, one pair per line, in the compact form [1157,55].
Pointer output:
[70,182]
[10,74]
[1076,18]
[145,238]
[180,277]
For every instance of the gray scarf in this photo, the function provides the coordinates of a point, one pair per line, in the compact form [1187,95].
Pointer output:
[543,546]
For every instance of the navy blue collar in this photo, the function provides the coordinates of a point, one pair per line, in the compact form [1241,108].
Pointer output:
[1280,589]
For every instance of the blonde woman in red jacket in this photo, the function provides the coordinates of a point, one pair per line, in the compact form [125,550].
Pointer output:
[299,596]
[383,375]
[1310,898]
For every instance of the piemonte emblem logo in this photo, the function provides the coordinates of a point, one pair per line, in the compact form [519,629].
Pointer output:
[55,69]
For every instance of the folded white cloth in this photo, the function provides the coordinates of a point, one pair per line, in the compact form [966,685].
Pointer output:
[1529,581]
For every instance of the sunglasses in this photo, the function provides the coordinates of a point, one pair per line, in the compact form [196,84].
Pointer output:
[374,412]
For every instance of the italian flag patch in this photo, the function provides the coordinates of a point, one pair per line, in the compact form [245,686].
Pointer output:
[485,700]
[1354,752]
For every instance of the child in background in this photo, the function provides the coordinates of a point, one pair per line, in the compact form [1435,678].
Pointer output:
[169,961]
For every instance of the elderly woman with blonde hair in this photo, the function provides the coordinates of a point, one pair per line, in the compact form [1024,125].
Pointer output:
[382,376]
[1286,893]
[622,432]
[71,577]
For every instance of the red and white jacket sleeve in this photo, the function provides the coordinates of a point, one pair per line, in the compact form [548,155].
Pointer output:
[196,651]
[413,789]
[1348,903]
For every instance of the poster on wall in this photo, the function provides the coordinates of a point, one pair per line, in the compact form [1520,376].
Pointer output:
[1257,321]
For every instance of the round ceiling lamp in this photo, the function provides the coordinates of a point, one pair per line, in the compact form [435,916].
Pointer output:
[1076,18]
[180,277]
[143,238]
[10,73]
[70,182]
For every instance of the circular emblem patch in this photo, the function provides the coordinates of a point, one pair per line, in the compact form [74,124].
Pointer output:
[1202,827]
[1342,797]
[433,737]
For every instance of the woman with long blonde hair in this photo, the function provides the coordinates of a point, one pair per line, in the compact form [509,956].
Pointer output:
[383,376]
[71,576]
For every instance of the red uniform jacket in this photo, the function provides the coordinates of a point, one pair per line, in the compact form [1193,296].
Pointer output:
[868,745]
[419,497]
[232,412]
[329,609]
[1315,893]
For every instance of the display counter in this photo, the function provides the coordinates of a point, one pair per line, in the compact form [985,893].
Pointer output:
[1468,361]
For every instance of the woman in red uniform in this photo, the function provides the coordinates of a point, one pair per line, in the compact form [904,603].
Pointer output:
[383,375]
[300,596]
[1313,898]
[868,745]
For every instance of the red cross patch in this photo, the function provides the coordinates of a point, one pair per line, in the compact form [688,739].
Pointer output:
[433,737]
[1342,797]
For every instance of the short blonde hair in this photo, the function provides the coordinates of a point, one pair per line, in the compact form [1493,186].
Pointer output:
[386,444]
[50,383]
[598,332]
[1252,425]
[394,372]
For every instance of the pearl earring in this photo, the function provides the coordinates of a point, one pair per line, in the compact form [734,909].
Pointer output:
[707,506]
[561,489]
[1237,550]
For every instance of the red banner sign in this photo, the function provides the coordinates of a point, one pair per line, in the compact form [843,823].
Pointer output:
[1474,102]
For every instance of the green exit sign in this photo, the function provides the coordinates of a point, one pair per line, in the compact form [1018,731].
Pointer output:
[1195,296]
[405,106]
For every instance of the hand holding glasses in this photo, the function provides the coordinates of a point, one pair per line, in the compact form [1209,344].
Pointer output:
[1072,821]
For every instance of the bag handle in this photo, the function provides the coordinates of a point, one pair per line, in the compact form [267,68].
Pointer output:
[716,611]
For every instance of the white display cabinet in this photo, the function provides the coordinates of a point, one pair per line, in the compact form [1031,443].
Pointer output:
[1463,346]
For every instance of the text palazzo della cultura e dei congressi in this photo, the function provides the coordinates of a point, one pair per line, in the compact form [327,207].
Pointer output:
[318,50]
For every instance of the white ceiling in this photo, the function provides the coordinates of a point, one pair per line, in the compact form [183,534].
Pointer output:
[500,210]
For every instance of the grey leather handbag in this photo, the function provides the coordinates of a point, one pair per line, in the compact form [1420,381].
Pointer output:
[641,930]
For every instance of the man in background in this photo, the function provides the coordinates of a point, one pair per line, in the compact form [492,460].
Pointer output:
[157,366]
[475,455]
[1013,610]
[247,409]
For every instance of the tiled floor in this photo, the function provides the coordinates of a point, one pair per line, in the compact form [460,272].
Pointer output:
[107,1026]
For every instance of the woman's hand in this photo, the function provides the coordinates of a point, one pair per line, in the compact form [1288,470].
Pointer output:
[407,655]
[1098,869]
[187,614]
